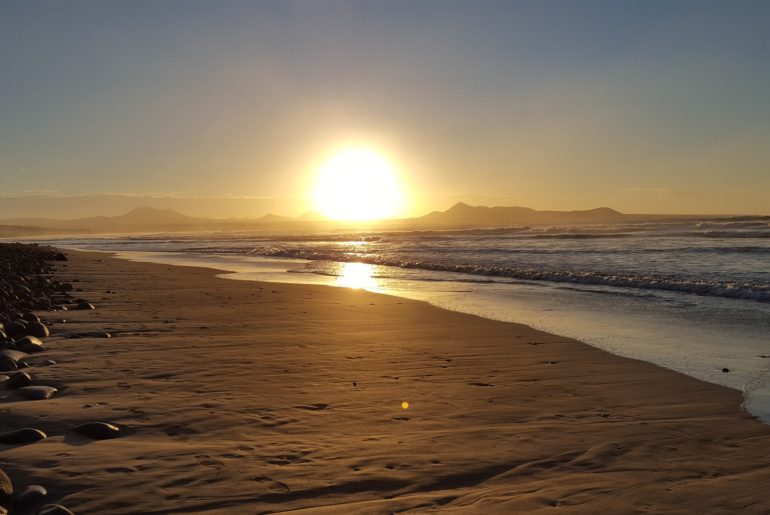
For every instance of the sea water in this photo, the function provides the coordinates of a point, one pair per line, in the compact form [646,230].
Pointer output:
[689,295]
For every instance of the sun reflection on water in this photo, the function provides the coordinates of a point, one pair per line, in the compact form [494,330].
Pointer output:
[358,276]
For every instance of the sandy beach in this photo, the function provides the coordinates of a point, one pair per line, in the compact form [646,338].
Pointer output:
[246,397]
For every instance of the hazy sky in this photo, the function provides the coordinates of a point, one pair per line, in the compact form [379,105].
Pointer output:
[644,106]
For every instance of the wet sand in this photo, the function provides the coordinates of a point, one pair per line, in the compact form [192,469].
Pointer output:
[245,397]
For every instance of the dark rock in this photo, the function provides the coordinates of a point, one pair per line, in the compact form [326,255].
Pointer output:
[7,365]
[29,316]
[36,393]
[725,370]
[37,329]
[22,436]
[18,380]
[98,430]
[31,497]
[6,487]
[30,345]
[12,354]
[59,257]
[54,509]
[16,328]
[43,304]
[84,306]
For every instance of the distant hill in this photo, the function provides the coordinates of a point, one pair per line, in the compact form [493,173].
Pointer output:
[139,219]
[274,219]
[463,215]
[147,219]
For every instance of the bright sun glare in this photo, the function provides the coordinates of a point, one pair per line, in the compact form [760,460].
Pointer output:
[357,184]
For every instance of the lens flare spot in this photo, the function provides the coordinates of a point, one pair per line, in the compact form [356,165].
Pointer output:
[404,405]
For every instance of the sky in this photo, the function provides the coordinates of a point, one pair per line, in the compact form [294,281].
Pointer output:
[641,105]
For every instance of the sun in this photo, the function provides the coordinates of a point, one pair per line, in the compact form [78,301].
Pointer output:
[357,184]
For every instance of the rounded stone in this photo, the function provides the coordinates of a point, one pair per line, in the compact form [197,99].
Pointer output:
[29,316]
[30,345]
[98,430]
[16,328]
[84,305]
[7,365]
[29,498]
[22,436]
[18,380]
[12,354]
[37,329]
[36,393]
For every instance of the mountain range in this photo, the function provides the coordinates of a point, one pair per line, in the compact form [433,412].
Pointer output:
[460,215]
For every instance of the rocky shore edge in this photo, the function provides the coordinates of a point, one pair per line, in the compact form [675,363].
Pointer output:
[32,299]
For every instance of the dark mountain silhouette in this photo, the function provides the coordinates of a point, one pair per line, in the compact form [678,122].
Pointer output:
[139,219]
[463,215]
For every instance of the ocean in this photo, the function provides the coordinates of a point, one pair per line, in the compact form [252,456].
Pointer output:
[689,295]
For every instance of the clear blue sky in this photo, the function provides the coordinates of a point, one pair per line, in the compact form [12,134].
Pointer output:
[639,105]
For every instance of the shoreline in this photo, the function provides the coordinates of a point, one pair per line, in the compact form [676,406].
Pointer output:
[268,397]
[638,331]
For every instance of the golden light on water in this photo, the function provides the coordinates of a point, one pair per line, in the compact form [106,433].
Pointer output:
[357,275]
[404,405]
[358,184]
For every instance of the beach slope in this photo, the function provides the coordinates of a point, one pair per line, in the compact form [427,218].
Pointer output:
[246,397]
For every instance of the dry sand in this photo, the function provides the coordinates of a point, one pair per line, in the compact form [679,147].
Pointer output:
[244,397]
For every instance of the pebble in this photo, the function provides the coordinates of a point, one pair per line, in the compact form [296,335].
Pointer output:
[29,316]
[36,393]
[30,345]
[23,435]
[98,430]
[29,498]
[37,329]
[84,305]
[18,380]
[14,355]
[16,328]
[7,365]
